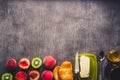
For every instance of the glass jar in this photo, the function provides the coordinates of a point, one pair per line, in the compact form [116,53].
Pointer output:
[113,56]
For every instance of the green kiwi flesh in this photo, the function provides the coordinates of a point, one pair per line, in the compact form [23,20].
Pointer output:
[7,76]
[36,62]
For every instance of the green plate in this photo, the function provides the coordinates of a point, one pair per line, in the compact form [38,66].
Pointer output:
[93,66]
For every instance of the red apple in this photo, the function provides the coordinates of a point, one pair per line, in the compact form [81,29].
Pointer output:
[21,76]
[49,62]
[11,64]
[47,75]
[24,63]
[34,75]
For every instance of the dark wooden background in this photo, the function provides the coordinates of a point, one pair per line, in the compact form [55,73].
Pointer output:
[31,28]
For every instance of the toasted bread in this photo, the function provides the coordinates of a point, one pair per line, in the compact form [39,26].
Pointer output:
[65,71]
[55,73]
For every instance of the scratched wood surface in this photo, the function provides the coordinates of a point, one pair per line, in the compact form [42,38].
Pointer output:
[58,28]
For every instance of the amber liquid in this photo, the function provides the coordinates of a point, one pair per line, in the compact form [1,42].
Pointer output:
[113,55]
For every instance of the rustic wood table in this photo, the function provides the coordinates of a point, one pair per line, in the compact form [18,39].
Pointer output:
[31,28]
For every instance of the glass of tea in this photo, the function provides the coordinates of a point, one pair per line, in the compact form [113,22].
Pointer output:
[113,56]
[111,70]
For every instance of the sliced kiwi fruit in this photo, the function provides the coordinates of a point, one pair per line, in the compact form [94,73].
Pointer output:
[36,62]
[7,76]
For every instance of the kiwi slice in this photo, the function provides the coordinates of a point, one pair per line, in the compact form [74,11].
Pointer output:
[7,76]
[36,62]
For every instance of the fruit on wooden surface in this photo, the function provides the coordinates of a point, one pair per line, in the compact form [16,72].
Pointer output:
[47,75]
[49,62]
[11,64]
[21,76]
[34,75]
[36,62]
[7,76]
[24,63]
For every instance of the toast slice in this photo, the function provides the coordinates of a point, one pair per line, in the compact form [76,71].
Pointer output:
[65,71]
[55,73]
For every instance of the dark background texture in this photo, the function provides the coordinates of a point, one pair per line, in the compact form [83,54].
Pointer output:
[30,28]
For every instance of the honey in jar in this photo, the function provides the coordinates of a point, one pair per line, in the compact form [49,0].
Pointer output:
[113,55]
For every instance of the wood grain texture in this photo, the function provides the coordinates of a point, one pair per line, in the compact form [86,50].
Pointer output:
[57,28]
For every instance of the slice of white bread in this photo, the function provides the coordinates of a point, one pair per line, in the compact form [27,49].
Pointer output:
[84,66]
